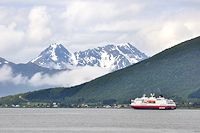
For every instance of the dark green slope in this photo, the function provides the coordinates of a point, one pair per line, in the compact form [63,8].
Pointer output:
[174,73]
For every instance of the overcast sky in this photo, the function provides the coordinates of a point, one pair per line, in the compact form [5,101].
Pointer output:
[29,26]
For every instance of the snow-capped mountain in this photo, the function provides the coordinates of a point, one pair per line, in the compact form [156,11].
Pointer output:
[112,56]
[56,56]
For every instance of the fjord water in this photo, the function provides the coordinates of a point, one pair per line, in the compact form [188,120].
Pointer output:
[19,120]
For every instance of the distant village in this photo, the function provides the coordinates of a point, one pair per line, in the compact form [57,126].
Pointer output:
[59,105]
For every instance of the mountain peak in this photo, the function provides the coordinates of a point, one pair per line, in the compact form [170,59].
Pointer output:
[56,49]
[56,56]
[122,44]
[4,62]
[54,45]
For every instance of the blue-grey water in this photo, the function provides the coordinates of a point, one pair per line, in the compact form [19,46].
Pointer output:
[20,120]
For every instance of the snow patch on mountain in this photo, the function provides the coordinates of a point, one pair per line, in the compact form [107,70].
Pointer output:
[53,53]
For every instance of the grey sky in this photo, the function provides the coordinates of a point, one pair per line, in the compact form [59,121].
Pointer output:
[26,28]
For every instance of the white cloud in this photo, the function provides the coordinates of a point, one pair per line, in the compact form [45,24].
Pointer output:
[23,32]
[167,32]
[66,78]
[10,38]
[86,12]
[39,29]
[118,26]
[7,76]
[85,16]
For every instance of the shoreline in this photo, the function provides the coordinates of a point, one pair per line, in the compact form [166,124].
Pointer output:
[90,108]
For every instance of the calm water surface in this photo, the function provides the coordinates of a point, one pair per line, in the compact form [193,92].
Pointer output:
[99,121]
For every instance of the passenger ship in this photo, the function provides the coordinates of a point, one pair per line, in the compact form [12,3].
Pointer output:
[152,103]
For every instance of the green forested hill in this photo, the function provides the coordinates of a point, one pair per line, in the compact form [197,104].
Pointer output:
[175,73]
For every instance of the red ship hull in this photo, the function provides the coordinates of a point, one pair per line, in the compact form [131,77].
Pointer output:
[153,107]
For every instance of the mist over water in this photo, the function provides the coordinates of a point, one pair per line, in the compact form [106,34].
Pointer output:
[98,121]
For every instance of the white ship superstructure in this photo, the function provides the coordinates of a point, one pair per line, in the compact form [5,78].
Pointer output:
[153,103]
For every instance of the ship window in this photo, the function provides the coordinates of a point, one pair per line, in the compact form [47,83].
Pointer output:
[151,102]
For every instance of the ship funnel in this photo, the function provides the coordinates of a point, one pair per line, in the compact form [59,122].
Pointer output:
[152,94]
